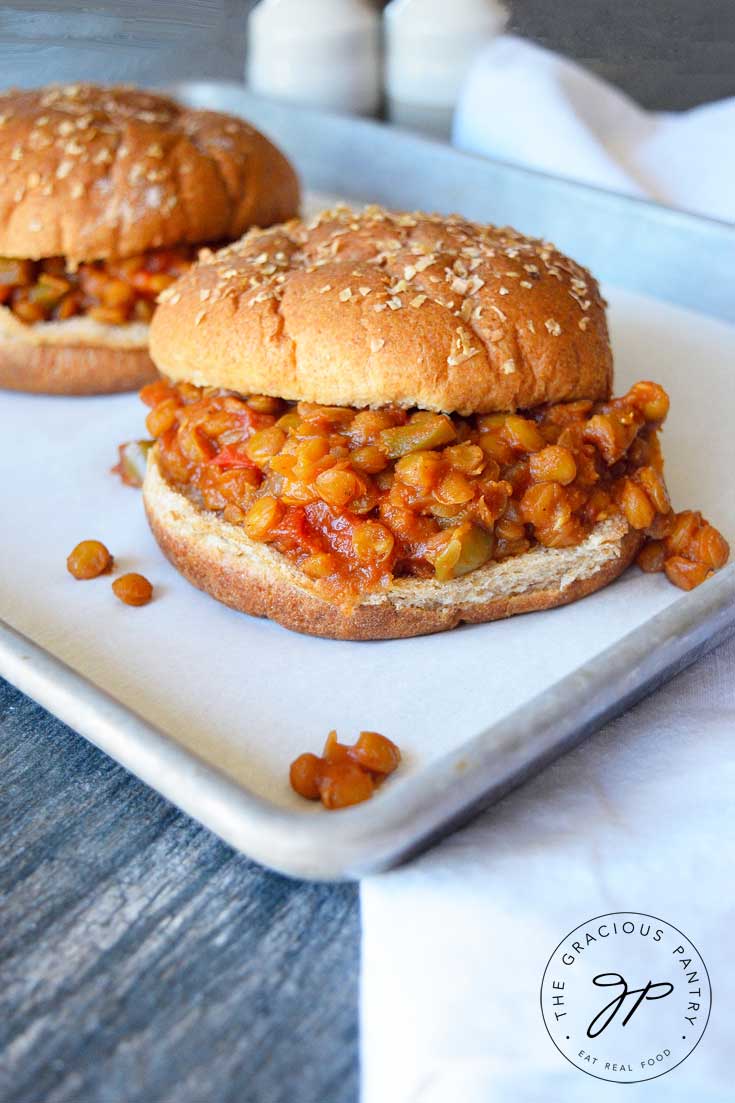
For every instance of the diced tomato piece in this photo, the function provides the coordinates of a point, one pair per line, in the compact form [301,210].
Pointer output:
[231,456]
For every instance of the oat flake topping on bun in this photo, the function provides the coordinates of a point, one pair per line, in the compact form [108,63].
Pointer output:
[90,172]
[374,308]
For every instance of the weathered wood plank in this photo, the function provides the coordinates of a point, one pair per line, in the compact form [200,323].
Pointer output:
[143,960]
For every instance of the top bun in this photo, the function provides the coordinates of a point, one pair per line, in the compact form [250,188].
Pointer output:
[378,307]
[92,173]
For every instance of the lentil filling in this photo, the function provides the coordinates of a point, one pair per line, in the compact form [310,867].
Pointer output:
[356,498]
[112,291]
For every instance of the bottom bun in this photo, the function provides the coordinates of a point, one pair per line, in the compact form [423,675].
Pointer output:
[73,369]
[254,578]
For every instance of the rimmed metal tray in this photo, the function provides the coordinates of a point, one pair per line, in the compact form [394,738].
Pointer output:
[476,710]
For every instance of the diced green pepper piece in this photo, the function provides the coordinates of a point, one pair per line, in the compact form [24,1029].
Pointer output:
[133,461]
[15,272]
[422,431]
[467,549]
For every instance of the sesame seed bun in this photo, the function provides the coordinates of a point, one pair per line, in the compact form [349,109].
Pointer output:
[94,173]
[222,560]
[375,308]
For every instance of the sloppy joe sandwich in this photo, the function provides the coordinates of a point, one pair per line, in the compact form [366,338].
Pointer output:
[105,194]
[379,425]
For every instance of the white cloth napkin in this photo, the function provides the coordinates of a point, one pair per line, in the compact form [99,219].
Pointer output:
[524,104]
[640,817]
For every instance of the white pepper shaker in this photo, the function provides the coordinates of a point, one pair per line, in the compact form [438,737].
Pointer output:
[317,53]
[430,45]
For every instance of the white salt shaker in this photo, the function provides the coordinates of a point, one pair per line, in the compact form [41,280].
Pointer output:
[318,53]
[430,45]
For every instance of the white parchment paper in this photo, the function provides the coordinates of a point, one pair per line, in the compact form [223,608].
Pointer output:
[249,695]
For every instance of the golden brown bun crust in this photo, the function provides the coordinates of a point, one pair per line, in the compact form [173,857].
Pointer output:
[73,369]
[375,308]
[252,578]
[90,172]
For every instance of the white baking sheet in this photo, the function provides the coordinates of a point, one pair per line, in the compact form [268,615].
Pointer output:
[248,695]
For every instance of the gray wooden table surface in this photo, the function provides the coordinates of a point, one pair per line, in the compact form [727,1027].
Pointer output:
[141,960]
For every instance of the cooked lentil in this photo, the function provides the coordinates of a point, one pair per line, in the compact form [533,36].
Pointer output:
[345,775]
[133,589]
[89,559]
